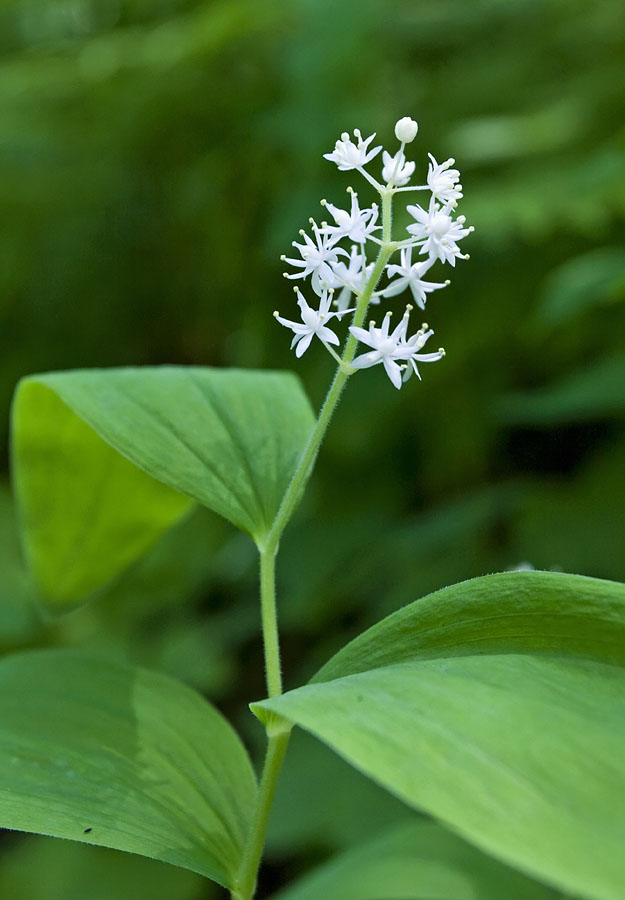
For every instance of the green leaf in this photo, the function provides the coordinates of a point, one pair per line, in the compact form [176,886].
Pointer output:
[122,757]
[590,501]
[581,284]
[301,815]
[512,612]
[497,706]
[40,868]
[19,619]
[417,860]
[229,439]
[86,512]
[595,392]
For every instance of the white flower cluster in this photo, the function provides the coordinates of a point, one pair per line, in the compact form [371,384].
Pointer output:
[346,276]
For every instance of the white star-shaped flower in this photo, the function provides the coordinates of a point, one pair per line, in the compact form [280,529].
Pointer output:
[313,323]
[443,181]
[357,224]
[413,345]
[386,348]
[349,155]
[398,166]
[351,276]
[318,257]
[410,276]
[437,233]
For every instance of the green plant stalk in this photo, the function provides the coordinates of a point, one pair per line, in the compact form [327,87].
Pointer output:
[269,620]
[248,873]
[294,492]
[268,549]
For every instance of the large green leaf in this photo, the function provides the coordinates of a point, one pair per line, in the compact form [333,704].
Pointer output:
[498,706]
[512,612]
[522,755]
[229,439]
[417,860]
[124,758]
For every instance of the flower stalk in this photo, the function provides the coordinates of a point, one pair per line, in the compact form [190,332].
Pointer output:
[435,234]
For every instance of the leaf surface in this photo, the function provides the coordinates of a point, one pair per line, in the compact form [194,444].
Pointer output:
[45,869]
[417,860]
[121,757]
[106,460]
[497,706]
[511,612]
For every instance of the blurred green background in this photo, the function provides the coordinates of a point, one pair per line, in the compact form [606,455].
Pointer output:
[156,158]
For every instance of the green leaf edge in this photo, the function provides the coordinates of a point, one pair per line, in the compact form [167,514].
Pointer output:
[452,610]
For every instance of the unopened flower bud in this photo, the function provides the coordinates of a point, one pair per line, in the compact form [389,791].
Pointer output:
[406,130]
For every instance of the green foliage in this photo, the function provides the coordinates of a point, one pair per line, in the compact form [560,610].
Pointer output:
[68,867]
[86,512]
[229,439]
[595,392]
[322,804]
[591,507]
[416,860]
[511,682]
[122,757]
[514,612]
[155,161]
[586,282]
[18,620]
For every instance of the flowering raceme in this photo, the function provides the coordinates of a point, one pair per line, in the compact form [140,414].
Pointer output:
[343,275]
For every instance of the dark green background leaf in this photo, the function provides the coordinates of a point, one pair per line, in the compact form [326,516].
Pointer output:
[582,284]
[46,869]
[595,392]
[417,860]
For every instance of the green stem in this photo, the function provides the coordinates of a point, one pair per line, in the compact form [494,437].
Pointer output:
[278,741]
[246,882]
[270,621]
[295,490]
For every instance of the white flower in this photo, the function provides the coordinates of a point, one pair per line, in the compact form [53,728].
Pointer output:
[410,277]
[357,224]
[406,130]
[397,164]
[443,181]
[351,276]
[348,155]
[318,257]
[387,348]
[413,345]
[390,349]
[437,233]
[313,323]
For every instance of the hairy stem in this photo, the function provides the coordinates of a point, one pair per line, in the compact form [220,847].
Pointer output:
[248,873]
[295,490]
[270,622]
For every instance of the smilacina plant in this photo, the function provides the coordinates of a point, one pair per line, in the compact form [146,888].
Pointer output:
[496,706]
